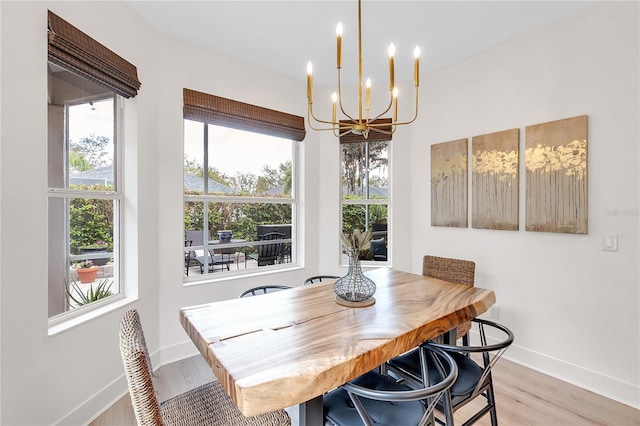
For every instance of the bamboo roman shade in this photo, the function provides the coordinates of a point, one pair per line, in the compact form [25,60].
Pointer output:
[373,136]
[74,50]
[213,109]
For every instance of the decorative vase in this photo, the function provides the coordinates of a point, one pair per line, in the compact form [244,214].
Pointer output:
[225,236]
[87,275]
[355,286]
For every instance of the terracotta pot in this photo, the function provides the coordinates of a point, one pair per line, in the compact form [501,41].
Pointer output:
[87,275]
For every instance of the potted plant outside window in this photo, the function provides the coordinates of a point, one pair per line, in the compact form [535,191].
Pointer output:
[87,271]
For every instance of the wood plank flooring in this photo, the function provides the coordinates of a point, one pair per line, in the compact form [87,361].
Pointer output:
[524,397]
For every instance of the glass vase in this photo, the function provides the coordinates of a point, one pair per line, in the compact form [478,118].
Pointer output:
[355,286]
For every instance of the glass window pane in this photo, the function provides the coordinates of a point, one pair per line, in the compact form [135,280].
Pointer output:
[87,226]
[365,170]
[193,157]
[234,229]
[247,163]
[91,145]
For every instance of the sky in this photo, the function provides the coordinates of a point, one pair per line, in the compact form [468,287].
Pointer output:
[232,151]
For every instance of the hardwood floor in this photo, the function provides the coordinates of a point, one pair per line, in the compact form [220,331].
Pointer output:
[524,397]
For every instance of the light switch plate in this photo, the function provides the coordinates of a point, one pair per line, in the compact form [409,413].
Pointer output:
[610,242]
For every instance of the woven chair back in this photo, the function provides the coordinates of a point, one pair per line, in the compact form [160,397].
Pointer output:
[444,268]
[455,270]
[137,367]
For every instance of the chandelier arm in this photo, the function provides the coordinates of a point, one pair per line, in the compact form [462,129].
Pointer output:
[382,113]
[340,100]
[310,115]
[402,123]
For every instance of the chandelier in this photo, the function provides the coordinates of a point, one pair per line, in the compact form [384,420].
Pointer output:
[362,124]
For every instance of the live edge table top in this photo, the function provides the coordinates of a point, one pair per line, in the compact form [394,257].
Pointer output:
[284,348]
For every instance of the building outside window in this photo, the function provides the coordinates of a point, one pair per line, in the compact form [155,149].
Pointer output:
[241,214]
[365,197]
[84,192]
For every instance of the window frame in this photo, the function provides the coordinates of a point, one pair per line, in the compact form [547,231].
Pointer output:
[116,196]
[293,201]
[342,258]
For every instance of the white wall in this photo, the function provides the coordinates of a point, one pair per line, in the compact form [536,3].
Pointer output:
[194,68]
[75,374]
[573,307]
[549,287]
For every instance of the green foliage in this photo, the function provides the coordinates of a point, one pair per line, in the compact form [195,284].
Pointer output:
[91,220]
[92,150]
[241,219]
[78,297]
[354,216]
[354,169]
[78,162]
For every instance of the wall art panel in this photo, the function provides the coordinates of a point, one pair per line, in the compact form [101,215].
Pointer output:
[556,176]
[449,184]
[494,180]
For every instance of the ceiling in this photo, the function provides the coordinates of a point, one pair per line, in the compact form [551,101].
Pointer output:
[283,35]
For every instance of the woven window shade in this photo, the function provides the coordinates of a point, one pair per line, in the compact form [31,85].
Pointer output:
[213,109]
[72,49]
[373,135]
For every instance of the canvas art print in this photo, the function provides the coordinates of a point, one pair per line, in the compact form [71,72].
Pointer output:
[556,176]
[449,184]
[494,180]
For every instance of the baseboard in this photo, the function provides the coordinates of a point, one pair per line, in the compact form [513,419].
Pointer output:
[102,400]
[96,404]
[610,387]
[594,381]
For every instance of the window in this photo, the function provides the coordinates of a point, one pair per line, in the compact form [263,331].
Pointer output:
[84,192]
[239,215]
[365,200]
[86,86]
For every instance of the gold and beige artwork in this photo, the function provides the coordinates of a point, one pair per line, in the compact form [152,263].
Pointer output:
[556,176]
[449,184]
[494,180]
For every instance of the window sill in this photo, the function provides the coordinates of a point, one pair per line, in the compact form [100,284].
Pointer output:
[72,319]
[229,276]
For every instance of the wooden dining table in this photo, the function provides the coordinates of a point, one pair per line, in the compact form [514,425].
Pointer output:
[289,347]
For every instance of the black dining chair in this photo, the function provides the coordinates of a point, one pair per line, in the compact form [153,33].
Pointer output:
[264,289]
[377,399]
[474,376]
[319,279]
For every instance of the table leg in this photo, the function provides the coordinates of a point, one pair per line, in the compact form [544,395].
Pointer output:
[450,337]
[311,413]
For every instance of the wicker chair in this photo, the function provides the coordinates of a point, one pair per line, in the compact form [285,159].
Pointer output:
[205,405]
[454,270]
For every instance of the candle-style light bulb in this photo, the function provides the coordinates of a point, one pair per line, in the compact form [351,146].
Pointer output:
[334,99]
[339,44]
[310,82]
[368,93]
[416,66]
[392,53]
[395,104]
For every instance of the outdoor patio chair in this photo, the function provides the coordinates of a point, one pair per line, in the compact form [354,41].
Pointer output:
[269,254]
[208,404]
